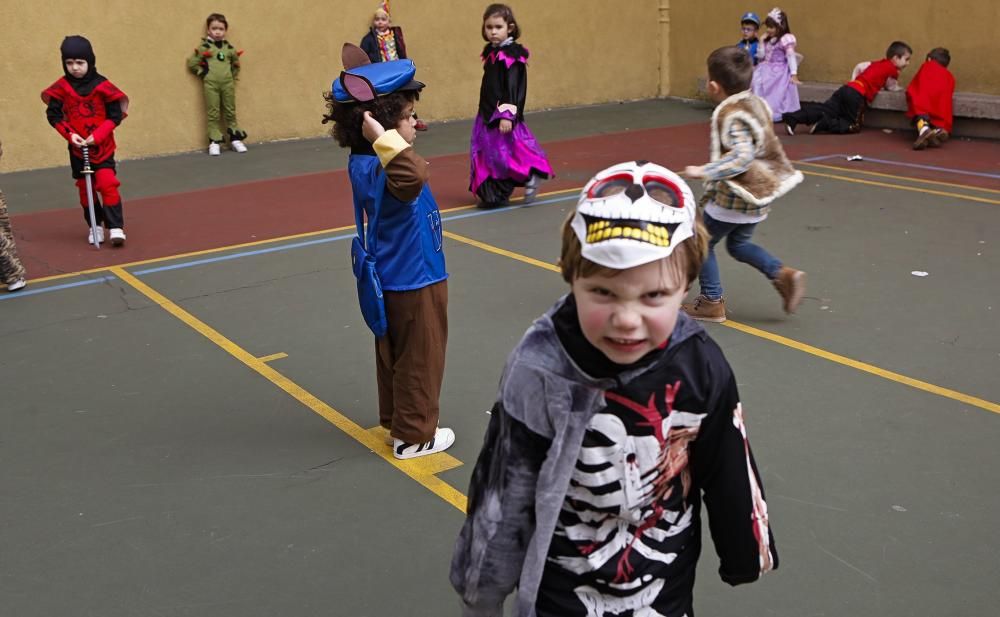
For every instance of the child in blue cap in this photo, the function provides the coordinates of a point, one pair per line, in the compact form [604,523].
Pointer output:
[372,108]
[749,24]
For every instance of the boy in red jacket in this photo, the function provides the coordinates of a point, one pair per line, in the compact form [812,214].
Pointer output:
[84,107]
[928,99]
[844,111]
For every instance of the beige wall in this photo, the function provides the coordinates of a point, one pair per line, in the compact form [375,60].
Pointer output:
[583,51]
[834,36]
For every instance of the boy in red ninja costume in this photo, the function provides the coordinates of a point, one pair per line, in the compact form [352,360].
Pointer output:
[928,99]
[84,107]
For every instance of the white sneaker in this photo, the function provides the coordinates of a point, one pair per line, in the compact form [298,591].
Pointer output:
[441,441]
[238,146]
[18,284]
[100,235]
[214,149]
[117,236]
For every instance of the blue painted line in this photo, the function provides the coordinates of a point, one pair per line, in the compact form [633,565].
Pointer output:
[981,174]
[33,292]
[271,249]
[263,251]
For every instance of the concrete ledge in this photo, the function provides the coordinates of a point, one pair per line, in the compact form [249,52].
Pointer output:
[964,104]
[976,115]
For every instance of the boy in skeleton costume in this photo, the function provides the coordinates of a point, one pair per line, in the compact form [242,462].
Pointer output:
[85,108]
[616,412]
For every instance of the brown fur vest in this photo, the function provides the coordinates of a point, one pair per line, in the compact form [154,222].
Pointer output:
[771,174]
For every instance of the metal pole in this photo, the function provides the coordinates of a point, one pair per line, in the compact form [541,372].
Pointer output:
[87,174]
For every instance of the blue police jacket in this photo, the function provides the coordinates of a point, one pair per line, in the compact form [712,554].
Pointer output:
[409,251]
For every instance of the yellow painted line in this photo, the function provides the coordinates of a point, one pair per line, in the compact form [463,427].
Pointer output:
[898,177]
[232,247]
[499,251]
[271,358]
[437,486]
[221,249]
[915,189]
[868,368]
[816,351]
[431,465]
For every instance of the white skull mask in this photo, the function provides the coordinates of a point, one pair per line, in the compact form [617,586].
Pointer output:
[633,213]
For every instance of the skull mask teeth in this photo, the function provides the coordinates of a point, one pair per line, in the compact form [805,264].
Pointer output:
[633,213]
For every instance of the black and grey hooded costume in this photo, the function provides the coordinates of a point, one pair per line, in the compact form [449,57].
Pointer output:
[631,537]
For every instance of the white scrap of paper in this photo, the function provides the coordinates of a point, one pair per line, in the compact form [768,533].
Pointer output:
[918,273]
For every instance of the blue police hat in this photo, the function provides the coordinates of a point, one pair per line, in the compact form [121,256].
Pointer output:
[750,16]
[364,83]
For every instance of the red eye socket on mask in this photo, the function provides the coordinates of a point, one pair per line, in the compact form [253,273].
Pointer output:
[660,189]
[612,185]
[663,191]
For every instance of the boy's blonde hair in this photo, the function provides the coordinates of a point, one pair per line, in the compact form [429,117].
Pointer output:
[686,257]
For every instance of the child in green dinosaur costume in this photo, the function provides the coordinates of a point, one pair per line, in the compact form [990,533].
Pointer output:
[217,62]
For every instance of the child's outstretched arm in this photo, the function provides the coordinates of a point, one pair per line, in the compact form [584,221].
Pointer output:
[491,548]
[739,140]
[724,467]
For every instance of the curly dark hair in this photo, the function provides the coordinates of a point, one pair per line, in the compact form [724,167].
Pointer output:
[348,117]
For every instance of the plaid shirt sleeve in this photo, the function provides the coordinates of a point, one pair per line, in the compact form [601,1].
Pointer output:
[739,157]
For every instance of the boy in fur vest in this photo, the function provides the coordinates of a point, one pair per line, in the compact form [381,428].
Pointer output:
[748,171]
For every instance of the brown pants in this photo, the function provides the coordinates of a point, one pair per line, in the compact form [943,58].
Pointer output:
[409,361]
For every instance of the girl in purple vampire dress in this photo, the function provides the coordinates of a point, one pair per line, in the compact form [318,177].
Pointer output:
[776,78]
[504,153]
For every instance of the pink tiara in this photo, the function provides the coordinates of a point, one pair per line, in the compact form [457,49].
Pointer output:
[776,15]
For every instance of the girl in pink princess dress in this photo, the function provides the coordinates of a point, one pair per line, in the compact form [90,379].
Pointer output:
[504,153]
[776,77]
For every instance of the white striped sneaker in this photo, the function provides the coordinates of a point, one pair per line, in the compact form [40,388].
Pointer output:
[441,441]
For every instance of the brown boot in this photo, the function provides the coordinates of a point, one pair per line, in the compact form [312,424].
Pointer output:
[791,284]
[924,138]
[938,137]
[705,309]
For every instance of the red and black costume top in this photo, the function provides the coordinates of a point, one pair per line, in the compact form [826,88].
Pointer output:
[92,106]
[873,78]
[930,93]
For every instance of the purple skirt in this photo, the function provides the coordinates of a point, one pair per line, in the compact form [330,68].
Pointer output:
[515,156]
[772,81]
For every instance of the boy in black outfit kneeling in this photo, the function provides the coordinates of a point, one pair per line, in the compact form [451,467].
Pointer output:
[844,112]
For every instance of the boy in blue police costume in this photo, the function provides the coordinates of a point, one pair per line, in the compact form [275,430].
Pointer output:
[372,108]
[749,25]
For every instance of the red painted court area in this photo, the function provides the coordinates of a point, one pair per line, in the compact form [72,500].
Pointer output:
[53,242]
